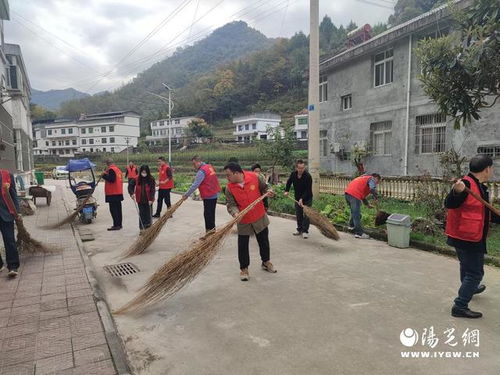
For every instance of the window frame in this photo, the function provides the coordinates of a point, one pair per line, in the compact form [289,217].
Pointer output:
[346,99]
[383,62]
[384,129]
[323,88]
[436,123]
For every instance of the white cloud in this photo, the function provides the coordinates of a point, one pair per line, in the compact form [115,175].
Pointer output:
[82,40]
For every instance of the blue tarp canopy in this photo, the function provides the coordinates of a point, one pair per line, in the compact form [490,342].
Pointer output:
[76,165]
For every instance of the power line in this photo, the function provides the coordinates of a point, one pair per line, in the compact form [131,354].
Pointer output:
[376,4]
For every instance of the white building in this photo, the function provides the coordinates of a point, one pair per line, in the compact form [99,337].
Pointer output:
[101,132]
[255,126]
[160,128]
[301,126]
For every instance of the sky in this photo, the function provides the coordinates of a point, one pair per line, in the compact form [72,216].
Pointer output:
[97,45]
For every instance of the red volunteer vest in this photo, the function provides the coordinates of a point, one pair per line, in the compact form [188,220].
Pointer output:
[6,181]
[114,188]
[210,184]
[246,195]
[358,187]
[132,172]
[162,175]
[467,221]
[138,191]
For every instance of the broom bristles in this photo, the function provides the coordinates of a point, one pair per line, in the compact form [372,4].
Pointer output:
[149,235]
[183,267]
[381,218]
[320,221]
[27,244]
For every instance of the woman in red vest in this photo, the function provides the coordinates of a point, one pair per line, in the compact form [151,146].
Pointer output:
[113,189]
[467,225]
[242,189]
[142,190]
[9,207]
[165,185]
[356,193]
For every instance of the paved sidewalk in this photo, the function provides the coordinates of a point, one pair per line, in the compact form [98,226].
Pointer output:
[48,317]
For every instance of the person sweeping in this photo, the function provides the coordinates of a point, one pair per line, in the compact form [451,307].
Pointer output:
[242,189]
[131,172]
[9,208]
[356,193]
[113,189]
[142,191]
[467,226]
[207,183]
[165,185]
[302,186]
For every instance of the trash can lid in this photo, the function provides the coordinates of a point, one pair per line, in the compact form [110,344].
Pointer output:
[399,219]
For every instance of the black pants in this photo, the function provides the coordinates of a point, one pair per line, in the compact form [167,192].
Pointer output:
[145,213]
[115,208]
[9,241]
[471,274]
[163,195]
[302,220]
[243,251]
[209,206]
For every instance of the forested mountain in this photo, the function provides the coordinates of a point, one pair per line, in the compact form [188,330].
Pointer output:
[52,99]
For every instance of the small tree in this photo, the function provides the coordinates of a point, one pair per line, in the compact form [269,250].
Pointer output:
[280,149]
[461,71]
[198,128]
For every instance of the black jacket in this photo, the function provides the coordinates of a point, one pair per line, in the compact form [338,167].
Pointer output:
[302,186]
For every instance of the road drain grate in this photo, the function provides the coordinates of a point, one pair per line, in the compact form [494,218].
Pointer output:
[121,269]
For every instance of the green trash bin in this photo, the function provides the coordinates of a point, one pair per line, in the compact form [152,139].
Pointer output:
[398,230]
[39,177]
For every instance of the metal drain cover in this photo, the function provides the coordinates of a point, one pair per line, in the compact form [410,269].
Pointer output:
[121,269]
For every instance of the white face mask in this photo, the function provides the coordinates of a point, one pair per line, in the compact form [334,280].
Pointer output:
[144,174]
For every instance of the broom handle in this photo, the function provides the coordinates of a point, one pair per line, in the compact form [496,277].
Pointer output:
[492,208]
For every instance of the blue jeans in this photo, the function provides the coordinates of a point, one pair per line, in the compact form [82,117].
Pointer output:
[471,274]
[9,241]
[355,220]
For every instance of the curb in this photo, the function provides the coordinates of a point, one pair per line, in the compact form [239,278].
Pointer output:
[114,341]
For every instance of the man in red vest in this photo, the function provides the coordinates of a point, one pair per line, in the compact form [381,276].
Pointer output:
[165,183]
[207,182]
[131,173]
[113,189]
[356,193]
[244,188]
[9,208]
[467,225]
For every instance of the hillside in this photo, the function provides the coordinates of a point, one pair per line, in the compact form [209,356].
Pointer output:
[52,99]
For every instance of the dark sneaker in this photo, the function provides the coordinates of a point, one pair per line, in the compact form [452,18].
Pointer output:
[115,228]
[481,288]
[459,312]
[156,216]
[13,272]
[244,274]
[268,266]
[297,233]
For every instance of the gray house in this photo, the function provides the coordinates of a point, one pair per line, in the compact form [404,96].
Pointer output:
[371,99]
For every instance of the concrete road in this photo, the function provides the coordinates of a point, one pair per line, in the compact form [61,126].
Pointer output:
[332,308]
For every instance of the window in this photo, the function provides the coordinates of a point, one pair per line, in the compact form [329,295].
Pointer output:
[91,149]
[104,149]
[177,121]
[247,126]
[49,132]
[323,89]
[66,143]
[46,143]
[53,143]
[263,136]
[111,129]
[240,127]
[112,140]
[161,123]
[84,141]
[59,143]
[67,151]
[103,129]
[112,149]
[323,143]
[346,102]
[492,151]
[380,137]
[70,131]
[63,131]
[84,130]
[91,141]
[254,126]
[303,134]
[383,68]
[104,140]
[73,142]
[430,133]
[91,130]
[302,121]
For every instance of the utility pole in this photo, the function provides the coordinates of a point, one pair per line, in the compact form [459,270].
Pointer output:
[313,107]
[169,123]
[127,140]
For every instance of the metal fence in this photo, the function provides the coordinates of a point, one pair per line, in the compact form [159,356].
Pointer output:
[399,187]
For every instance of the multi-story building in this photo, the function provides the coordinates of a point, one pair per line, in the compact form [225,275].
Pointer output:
[102,132]
[255,126]
[178,127]
[371,98]
[301,126]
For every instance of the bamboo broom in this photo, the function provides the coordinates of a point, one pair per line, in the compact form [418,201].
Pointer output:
[25,242]
[320,221]
[488,205]
[69,219]
[149,235]
[183,267]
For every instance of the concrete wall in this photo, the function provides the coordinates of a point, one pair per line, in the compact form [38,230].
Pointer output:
[7,151]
